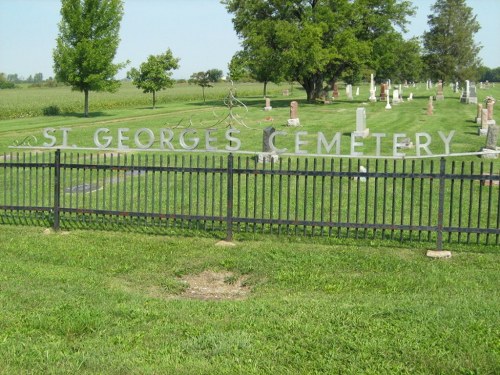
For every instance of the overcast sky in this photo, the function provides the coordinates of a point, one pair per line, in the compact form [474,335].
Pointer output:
[199,32]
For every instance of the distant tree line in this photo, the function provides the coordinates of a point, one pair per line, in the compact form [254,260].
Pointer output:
[9,81]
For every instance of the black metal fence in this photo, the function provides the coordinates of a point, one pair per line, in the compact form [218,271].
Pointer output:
[406,200]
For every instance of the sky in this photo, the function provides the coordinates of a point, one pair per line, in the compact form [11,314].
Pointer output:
[199,32]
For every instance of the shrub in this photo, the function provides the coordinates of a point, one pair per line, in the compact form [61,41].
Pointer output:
[51,110]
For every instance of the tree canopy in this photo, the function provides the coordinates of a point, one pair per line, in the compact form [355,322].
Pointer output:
[313,41]
[201,79]
[86,45]
[155,74]
[450,52]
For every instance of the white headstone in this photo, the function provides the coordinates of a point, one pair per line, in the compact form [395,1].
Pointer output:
[388,105]
[361,130]
[395,97]
[348,92]
[372,97]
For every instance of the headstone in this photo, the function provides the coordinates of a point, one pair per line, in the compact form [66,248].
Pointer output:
[456,88]
[483,130]
[439,95]
[268,105]
[383,89]
[388,105]
[266,145]
[430,107]
[410,98]
[404,144]
[388,84]
[489,105]
[478,114]
[294,110]
[395,96]
[357,91]
[372,97]
[285,92]
[268,154]
[466,94]
[335,90]
[492,137]
[491,148]
[472,99]
[361,130]
[348,92]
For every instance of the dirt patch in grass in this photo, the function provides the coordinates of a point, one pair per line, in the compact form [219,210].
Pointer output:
[210,285]
[207,285]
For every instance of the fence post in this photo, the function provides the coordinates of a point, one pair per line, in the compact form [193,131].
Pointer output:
[442,168]
[229,214]
[439,253]
[57,190]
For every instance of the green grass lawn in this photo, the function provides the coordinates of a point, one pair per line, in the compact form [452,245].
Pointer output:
[114,303]
[181,107]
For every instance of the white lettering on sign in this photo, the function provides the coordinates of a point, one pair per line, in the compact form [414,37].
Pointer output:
[211,140]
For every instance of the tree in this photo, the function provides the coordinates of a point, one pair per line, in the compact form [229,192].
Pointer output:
[86,46]
[38,78]
[155,74]
[237,67]
[13,78]
[397,59]
[487,74]
[313,41]
[214,75]
[450,52]
[5,83]
[201,79]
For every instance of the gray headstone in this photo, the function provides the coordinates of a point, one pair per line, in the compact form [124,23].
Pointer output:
[472,99]
[492,137]
[266,146]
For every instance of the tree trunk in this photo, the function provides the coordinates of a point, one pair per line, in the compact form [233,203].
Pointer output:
[203,89]
[265,89]
[154,99]
[313,86]
[86,105]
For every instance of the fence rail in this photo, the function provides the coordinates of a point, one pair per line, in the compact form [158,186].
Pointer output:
[407,200]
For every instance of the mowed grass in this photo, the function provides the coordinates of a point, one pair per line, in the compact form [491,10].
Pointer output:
[101,302]
[181,108]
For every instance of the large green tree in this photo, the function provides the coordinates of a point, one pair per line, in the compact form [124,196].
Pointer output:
[314,41]
[155,74]
[450,52]
[397,59]
[86,45]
